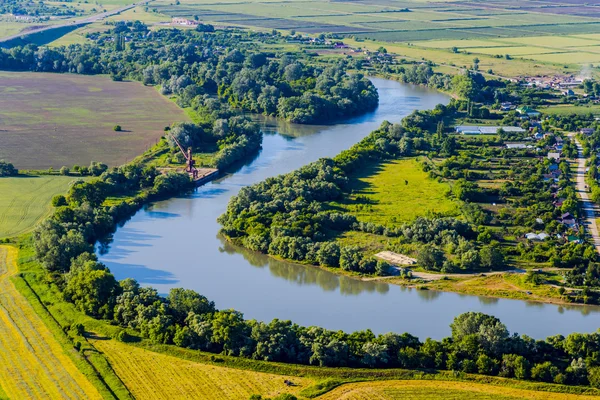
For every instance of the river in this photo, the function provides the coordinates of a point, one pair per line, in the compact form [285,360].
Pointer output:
[175,243]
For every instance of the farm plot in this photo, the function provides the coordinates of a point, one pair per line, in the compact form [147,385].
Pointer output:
[51,120]
[25,201]
[32,363]
[150,375]
[428,390]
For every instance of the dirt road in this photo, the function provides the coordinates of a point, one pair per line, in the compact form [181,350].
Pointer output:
[589,208]
[33,364]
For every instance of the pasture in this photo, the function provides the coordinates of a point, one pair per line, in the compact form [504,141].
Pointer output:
[150,375]
[25,201]
[396,192]
[428,390]
[51,120]
[33,363]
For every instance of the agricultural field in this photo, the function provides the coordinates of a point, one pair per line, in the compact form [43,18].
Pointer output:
[428,390]
[33,363]
[25,201]
[397,192]
[51,120]
[150,375]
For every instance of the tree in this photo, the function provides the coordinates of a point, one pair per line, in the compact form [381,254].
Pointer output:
[491,257]
[184,301]
[350,258]
[64,171]
[430,257]
[59,201]
[489,332]
[117,128]
[464,86]
[93,289]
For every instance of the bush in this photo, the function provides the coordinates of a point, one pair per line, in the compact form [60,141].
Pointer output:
[117,128]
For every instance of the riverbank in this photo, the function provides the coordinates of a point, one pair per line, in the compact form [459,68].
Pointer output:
[128,369]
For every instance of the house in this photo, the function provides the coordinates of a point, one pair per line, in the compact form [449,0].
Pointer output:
[528,111]
[587,131]
[566,216]
[568,92]
[554,156]
[538,136]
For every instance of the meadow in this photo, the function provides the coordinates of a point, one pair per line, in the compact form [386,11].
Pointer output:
[397,192]
[51,120]
[25,201]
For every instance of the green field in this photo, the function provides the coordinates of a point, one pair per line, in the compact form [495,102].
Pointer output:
[25,201]
[51,120]
[397,192]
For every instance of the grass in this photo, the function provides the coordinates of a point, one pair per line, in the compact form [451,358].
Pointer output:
[150,375]
[51,120]
[25,201]
[569,109]
[33,362]
[427,390]
[397,192]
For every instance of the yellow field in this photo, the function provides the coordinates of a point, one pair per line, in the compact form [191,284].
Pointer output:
[429,390]
[33,365]
[150,375]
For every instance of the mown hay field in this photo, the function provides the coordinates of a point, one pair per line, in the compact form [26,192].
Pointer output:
[51,120]
[429,390]
[25,201]
[149,375]
[33,364]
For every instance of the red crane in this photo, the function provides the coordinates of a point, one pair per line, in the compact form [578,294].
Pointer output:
[189,161]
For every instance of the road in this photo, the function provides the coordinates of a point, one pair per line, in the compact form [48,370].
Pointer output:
[33,364]
[78,22]
[589,208]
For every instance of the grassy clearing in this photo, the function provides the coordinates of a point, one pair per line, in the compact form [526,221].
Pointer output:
[397,192]
[427,390]
[568,109]
[150,375]
[25,201]
[33,363]
[51,120]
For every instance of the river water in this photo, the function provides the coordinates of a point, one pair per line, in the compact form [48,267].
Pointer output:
[175,243]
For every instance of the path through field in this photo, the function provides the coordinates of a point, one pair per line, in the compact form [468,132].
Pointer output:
[589,208]
[33,365]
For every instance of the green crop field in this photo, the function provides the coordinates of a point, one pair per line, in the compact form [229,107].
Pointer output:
[25,201]
[397,192]
[51,120]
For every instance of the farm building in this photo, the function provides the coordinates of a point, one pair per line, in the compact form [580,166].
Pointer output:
[485,130]
[518,146]
[183,21]
[587,131]
[395,258]
[554,156]
[528,111]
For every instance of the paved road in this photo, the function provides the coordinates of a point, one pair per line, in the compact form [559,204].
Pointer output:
[589,208]
[83,21]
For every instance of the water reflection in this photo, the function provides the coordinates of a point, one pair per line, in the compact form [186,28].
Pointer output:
[175,243]
[303,274]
